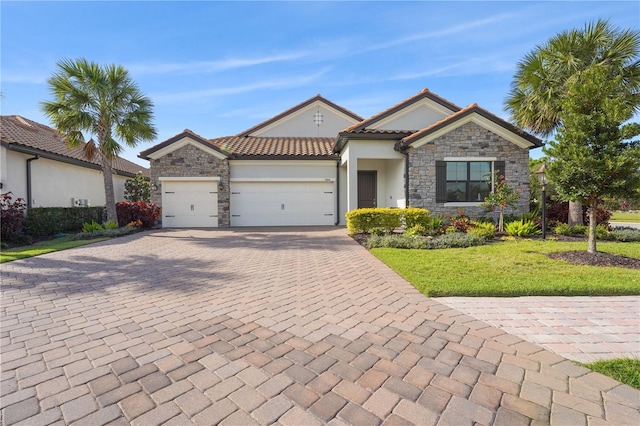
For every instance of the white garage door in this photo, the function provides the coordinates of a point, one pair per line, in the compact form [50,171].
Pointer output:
[282,203]
[189,204]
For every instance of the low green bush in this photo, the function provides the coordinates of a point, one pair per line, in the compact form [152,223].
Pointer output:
[365,220]
[522,228]
[625,234]
[562,229]
[416,230]
[485,230]
[413,216]
[53,220]
[97,233]
[112,224]
[452,240]
[92,226]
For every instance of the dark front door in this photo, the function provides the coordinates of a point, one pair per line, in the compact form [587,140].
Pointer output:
[367,189]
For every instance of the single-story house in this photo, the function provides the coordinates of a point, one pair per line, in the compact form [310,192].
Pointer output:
[36,165]
[314,162]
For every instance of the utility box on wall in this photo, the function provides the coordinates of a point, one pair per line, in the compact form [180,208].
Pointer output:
[80,202]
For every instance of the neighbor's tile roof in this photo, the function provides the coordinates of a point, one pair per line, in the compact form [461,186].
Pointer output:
[294,147]
[18,131]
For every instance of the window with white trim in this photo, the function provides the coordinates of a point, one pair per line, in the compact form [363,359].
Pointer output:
[464,181]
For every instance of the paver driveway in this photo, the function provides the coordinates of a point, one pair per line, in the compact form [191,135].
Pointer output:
[296,327]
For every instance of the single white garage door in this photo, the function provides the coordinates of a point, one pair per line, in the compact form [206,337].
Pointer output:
[189,204]
[282,203]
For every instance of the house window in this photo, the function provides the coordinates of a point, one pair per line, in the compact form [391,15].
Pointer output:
[464,181]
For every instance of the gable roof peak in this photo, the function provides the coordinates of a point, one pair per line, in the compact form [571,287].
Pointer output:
[295,108]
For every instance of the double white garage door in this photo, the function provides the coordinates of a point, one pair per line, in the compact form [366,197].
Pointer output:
[258,203]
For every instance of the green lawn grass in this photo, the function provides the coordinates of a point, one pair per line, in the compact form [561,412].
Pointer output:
[625,217]
[512,268]
[625,370]
[44,247]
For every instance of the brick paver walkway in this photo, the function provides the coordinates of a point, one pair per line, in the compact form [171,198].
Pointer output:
[583,329]
[266,326]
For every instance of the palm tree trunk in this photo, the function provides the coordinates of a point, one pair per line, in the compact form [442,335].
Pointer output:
[592,226]
[575,213]
[109,195]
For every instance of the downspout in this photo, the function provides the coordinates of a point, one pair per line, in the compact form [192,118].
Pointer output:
[406,177]
[29,196]
[337,193]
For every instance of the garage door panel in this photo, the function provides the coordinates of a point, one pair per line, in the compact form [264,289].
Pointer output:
[282,203]
[189,204]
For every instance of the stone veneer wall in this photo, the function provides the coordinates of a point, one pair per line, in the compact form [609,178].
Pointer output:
[468,140]
[189,161]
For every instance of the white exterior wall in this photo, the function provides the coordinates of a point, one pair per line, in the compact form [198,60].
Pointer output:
[54,183]
[282,169]
[376,155]
[301,123]
[417,117]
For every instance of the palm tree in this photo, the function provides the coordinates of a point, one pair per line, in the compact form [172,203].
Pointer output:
[540,82]
[103,103]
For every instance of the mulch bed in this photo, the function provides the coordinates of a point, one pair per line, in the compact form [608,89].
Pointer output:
[596,259]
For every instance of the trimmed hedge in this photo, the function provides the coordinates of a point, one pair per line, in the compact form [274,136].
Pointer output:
[52,220]
[452,240]
[146,214]
[386,219]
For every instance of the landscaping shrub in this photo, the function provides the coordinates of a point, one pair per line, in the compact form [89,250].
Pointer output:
[602,232]
[558,211]
[562,229]
[416,230]
[93,226]
[137,189]
[522,228]
[12,220]
[416,217]
[459,223]
[97,233]
[52,220]
[485,230]
[110,225]
[132,211]
[365,220]
[452,240]
[625,234]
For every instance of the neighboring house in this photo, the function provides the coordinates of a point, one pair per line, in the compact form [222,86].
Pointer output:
[314,162]
[35,164]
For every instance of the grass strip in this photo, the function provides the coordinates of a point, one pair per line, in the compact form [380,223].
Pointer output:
[625,217]
[44,247]
[511,269]
[624,370]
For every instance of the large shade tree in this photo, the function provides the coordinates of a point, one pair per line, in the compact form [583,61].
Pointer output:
[98,107]
[540,83]
[596,153]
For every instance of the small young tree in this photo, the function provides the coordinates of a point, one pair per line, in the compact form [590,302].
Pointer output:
[137,189]
[501,197]
[594,155]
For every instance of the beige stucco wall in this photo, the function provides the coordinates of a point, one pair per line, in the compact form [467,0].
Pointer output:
[54,183]
[284,169]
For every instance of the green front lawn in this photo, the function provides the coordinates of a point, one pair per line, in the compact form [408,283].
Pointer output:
[512,268]
[625,370]
[44,247]
[625,217]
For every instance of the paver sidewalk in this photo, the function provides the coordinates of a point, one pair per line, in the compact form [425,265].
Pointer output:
[264,326]
[583,329]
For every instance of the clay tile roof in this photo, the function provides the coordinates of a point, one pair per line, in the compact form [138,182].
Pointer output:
[275,147]
[20,133]
[473,108]
[295,108]
[424,93]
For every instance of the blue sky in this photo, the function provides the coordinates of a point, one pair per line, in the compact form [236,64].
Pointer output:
[218,68]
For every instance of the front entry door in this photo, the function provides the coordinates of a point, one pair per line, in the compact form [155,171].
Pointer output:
[367,189]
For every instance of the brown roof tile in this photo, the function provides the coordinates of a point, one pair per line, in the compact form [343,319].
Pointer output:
[290,147]
[19,132]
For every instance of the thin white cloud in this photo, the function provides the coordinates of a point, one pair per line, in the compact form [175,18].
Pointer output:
[24,77]
[281,83]
[199,67]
